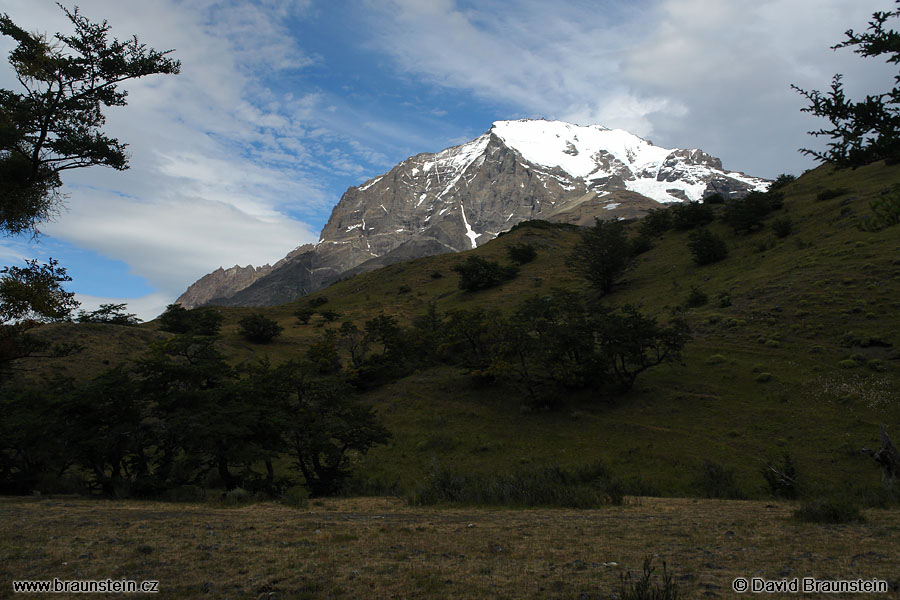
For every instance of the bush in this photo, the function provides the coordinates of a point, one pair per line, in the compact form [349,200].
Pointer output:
[746,214]
[715,481]
[521,253]
[237,496]
[317,301]
[550,486]
[781,478]
[602,255]
[330,315]
[834,510]
[640,244]
[404,289]
[706,247]
[304,314]
[436,274]
[782,227]
[645,588]
[696,298]
[476,273]
[885,211]
[198,321]
[781,181]
[714,199]
[259,329]
[831,194]
[109,313]
[689,215]
[656,222]
[296,496]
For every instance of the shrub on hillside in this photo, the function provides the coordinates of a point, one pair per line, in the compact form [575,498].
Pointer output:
[689,215]
[782,227]
[781,477]
[716,481]
[114,314]
[830,510]
[296,497]
[746,214]
[304,314]
[521,253]
[696,298]
[714,199]
[317,301]
[640,244]
[476,273]
[656,222]
[706,247]
[330,315]
[259,329]
[781,181]
[198,321]
[885,211]
[831,194]
[602,255]
[550,486]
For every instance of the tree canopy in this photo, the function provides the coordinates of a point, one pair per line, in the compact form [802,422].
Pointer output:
[868,130]
[54,124]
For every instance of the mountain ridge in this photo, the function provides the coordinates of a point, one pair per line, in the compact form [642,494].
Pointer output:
[465,195]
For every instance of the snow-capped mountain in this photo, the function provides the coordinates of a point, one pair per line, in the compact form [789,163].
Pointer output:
[463,196]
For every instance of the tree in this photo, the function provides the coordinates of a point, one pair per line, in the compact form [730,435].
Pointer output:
[656,222]
[746,214]
[30,296]
[602,255]
[197,321]
[476,273]
[259,329]
[521,253]
[706,247]
[55,124]
[688,215]
[865,131]
[630,343]
[323,425]
[109,313]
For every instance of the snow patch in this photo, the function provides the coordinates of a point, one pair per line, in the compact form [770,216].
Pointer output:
[371,183]
[470,233]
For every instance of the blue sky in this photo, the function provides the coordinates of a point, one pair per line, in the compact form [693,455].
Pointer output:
[282,105]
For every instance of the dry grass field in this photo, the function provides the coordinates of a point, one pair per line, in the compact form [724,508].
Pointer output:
[381,548]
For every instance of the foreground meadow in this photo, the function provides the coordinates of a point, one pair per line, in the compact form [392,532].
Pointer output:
[382,548]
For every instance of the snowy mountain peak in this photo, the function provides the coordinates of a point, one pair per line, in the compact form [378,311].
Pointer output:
[466,195]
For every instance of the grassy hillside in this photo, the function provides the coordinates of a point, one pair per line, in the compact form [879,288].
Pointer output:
[802,356]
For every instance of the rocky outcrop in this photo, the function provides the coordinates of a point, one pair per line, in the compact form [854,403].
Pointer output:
[466,195]
[224,283]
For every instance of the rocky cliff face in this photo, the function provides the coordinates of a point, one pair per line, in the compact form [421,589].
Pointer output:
[223,283]
[466,195]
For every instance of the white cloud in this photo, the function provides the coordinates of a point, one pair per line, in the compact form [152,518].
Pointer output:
[688,73]
[219,162]
[172,243]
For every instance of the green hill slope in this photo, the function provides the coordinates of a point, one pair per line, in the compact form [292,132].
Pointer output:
[797,350]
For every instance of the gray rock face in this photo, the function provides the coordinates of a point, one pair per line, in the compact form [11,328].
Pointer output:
[223,283]
[466,195]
